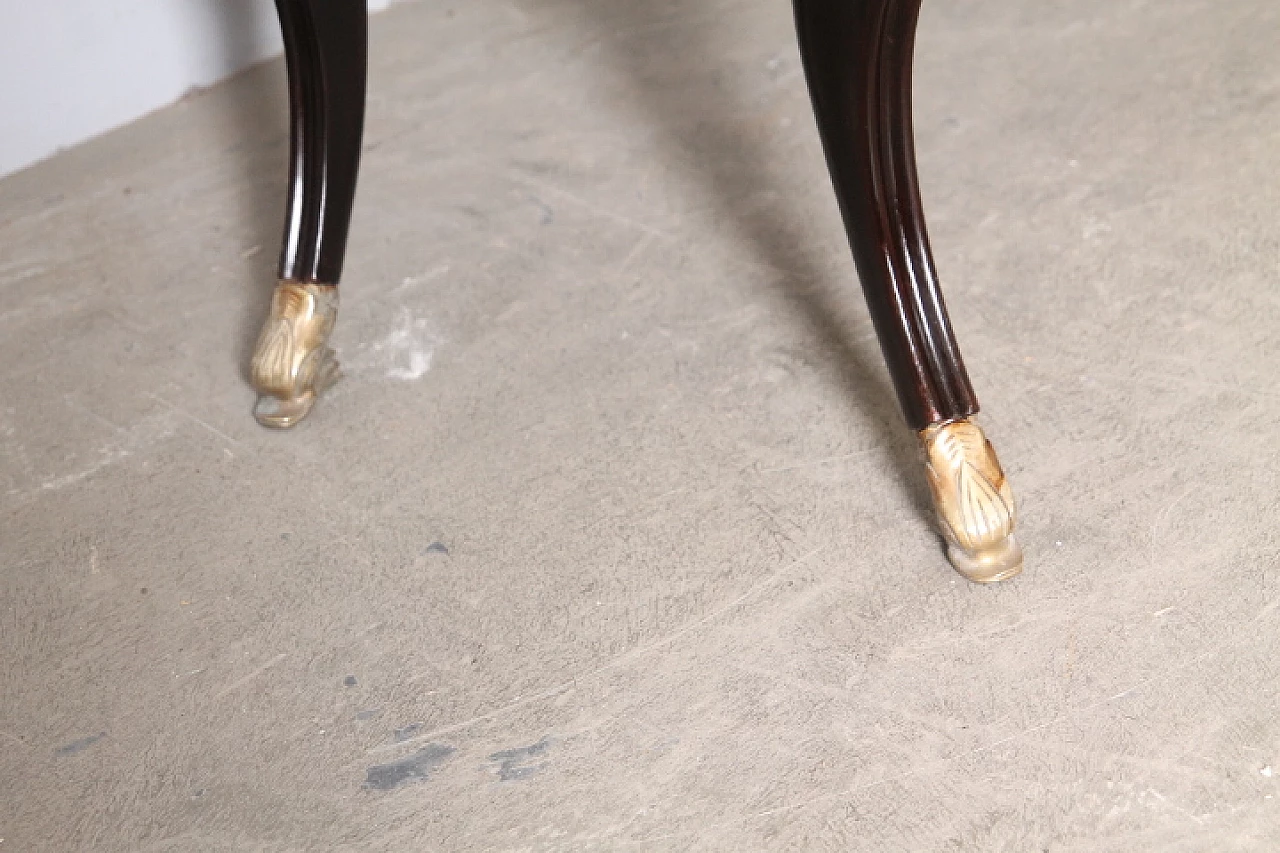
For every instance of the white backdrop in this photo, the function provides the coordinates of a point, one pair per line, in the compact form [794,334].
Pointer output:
[72,69]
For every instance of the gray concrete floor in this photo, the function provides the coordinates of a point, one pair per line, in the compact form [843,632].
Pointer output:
[612,539]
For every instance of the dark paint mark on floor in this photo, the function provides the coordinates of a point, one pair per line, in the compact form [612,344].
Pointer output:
[512,763]
[546,214]
[437,548]
[79,745]
[402,735]
[410,769]
[350,681]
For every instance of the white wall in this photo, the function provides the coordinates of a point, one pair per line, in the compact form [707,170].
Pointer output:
[72,69]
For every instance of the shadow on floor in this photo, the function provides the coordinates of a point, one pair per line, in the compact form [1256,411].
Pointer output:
[729,166]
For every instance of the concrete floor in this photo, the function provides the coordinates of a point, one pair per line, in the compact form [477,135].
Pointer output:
[612,538]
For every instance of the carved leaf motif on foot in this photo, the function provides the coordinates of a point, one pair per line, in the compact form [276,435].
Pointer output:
[292,362]
[973,500]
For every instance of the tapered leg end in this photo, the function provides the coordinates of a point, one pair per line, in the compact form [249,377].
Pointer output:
[991,565]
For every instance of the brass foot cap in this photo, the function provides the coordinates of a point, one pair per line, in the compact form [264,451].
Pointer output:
[281,414]
[284,412]
[292,363]
[973,500]
[991,566]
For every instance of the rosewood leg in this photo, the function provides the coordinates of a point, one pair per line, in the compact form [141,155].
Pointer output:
[326,54]
[857,58]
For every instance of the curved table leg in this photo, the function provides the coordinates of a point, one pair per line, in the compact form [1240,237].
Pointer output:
[857,59]
[326,54]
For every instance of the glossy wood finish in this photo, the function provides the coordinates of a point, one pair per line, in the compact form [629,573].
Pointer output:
[326,47]
[857,59]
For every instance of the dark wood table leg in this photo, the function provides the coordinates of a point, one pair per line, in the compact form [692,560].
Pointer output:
[326,54]
[857,59]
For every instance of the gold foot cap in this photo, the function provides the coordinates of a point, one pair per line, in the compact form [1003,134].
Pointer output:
[992,565]
[292,363]
[973,500]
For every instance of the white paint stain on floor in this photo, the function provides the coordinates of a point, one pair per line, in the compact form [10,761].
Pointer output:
[403,352]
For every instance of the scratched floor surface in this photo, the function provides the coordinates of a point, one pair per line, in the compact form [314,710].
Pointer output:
[611,538]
